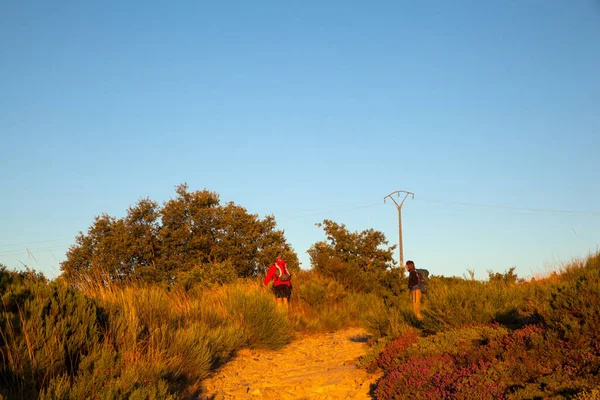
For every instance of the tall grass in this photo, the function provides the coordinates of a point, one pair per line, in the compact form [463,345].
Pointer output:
[322,304]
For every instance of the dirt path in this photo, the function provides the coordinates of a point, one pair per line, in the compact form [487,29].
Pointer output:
[321,366]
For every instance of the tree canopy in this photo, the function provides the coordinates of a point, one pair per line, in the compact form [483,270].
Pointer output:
[192,236]
[360,260]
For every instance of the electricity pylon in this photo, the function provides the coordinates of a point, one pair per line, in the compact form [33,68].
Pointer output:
[399,207]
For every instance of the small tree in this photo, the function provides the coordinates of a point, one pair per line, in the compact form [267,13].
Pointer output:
[360,260]
[508,278]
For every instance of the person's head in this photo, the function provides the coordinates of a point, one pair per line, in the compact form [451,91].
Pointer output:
[410,265]
[279,257]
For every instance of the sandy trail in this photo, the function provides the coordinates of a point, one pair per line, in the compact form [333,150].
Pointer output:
[319,366]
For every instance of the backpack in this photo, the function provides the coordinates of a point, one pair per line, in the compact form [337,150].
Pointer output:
[423,279]
[282,275]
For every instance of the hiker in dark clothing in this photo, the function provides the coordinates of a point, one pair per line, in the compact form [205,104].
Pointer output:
[414,288]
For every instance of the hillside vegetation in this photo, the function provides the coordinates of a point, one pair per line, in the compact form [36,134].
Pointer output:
[148,306]
[501,339]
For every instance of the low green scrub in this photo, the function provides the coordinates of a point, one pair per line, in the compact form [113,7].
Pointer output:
[46,330]
[469,303]
[389,320]
[573,309]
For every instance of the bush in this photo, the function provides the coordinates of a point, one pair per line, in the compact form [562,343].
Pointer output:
[313,293]
[457,341]
[572,310]
[263,324]
[469,303]
[388,357]
[415,379]
[388,321]
[46,331]
[436,368]
[486,362]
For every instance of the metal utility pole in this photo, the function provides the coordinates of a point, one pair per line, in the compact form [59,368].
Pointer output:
[399,207]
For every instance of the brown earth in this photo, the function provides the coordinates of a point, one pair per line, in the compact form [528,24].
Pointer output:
[319,366]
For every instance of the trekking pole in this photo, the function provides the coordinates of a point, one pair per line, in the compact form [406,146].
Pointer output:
[399,207]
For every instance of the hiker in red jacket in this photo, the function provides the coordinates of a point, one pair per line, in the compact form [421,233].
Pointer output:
[280,275]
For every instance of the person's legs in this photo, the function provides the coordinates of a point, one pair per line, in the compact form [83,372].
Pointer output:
[285,291]
[282,292]
[415,296]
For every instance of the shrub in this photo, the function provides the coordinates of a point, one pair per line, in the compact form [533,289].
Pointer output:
[486,362]
[415,379]
[388,321]
[388,357]
[480,380]
[588,394]
[469,303]
[313,293]
[571,310]
[457,342]
[46,331]
[263,323]
[104,378]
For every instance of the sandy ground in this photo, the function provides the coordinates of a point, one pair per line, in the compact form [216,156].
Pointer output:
[320,366]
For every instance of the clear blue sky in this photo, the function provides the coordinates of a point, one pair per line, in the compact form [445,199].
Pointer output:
[309,110]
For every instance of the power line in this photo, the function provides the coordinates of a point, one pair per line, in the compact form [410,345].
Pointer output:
[41,241]
[322,213]
[539,210]
[25,251]
[342,208]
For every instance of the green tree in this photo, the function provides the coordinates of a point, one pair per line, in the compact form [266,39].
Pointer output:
[187,235]
[103,251]
[360,260]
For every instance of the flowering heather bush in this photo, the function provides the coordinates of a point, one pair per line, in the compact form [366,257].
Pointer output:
[439,377]
[486,362]
[389,356]
[478,380]
[415,379]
